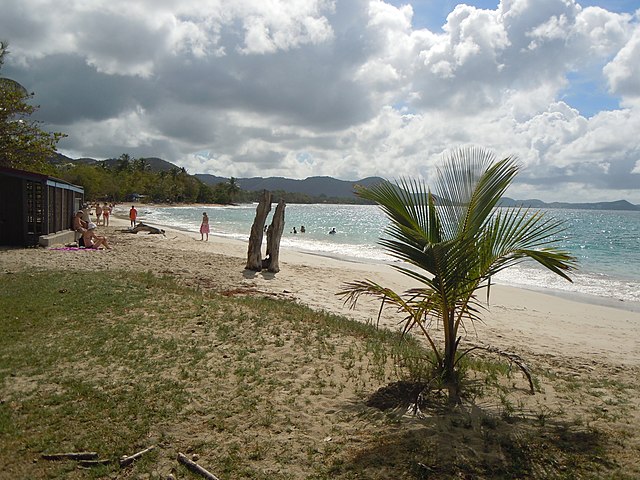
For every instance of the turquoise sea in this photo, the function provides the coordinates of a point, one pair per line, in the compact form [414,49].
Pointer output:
[606,243]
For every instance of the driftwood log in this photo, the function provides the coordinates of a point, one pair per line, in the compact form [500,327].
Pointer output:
[126,460]
[254,253]
[195,468]
[274,234]
[143,227]
[71,456]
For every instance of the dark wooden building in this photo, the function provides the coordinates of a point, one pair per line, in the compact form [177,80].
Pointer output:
[35,208]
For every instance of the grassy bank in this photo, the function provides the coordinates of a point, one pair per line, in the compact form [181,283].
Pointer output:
[255,388]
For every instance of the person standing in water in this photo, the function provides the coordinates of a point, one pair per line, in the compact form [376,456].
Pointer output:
[204,227]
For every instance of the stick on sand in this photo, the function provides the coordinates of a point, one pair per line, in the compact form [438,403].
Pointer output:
[194,467]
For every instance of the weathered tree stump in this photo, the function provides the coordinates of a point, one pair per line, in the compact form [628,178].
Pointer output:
[274,234]
[254,254]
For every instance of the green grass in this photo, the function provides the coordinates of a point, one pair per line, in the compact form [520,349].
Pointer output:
[258,388]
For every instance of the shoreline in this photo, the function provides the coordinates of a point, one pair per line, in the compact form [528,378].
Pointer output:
[518,320]
[580,297]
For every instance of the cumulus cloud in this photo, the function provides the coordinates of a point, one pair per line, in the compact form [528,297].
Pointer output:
[623,71]
[348,88]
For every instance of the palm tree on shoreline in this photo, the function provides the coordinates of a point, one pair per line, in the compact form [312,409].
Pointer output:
[232,189]
[457,246]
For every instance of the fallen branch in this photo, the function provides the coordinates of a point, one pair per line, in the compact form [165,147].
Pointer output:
[142,227]
[126,460]
[194,467]
[93,463]
[71,456]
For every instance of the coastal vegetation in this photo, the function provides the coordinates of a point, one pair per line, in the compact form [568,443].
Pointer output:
[454,242]
[261,388]
[117,180]
[23,143]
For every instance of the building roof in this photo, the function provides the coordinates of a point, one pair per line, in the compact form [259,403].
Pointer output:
[39,177]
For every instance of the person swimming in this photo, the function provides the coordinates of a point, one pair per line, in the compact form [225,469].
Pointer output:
[332,231]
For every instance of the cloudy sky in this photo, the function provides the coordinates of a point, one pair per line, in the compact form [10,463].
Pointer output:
[346,88]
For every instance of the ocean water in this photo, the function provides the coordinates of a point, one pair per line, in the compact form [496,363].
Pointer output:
[606,243]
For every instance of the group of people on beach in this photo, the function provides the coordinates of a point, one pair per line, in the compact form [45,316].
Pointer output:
[87,229]
[82,223]
[103,213]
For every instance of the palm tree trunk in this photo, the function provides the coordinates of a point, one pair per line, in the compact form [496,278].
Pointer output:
[450,348]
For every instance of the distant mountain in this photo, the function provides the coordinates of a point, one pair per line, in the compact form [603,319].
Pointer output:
[159,165]
[334,188]
[534,203]
[155,164]
[312,186]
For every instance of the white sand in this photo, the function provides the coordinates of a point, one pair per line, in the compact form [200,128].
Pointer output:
[518,320]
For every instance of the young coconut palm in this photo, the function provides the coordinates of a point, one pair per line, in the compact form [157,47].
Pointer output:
[458,240]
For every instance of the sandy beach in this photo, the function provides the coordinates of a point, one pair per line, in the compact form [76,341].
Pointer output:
[572,339]
[516,319]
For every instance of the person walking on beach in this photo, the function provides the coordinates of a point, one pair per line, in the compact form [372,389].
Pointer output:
[98,213]
[204,227]
[133,214]
[106,211]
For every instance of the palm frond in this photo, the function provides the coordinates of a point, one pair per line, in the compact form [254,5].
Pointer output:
[352,291]
[470,185]
[517,234]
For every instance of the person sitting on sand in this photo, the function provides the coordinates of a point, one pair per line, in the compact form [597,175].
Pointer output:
[91,240]
[204,227]
[79,225]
